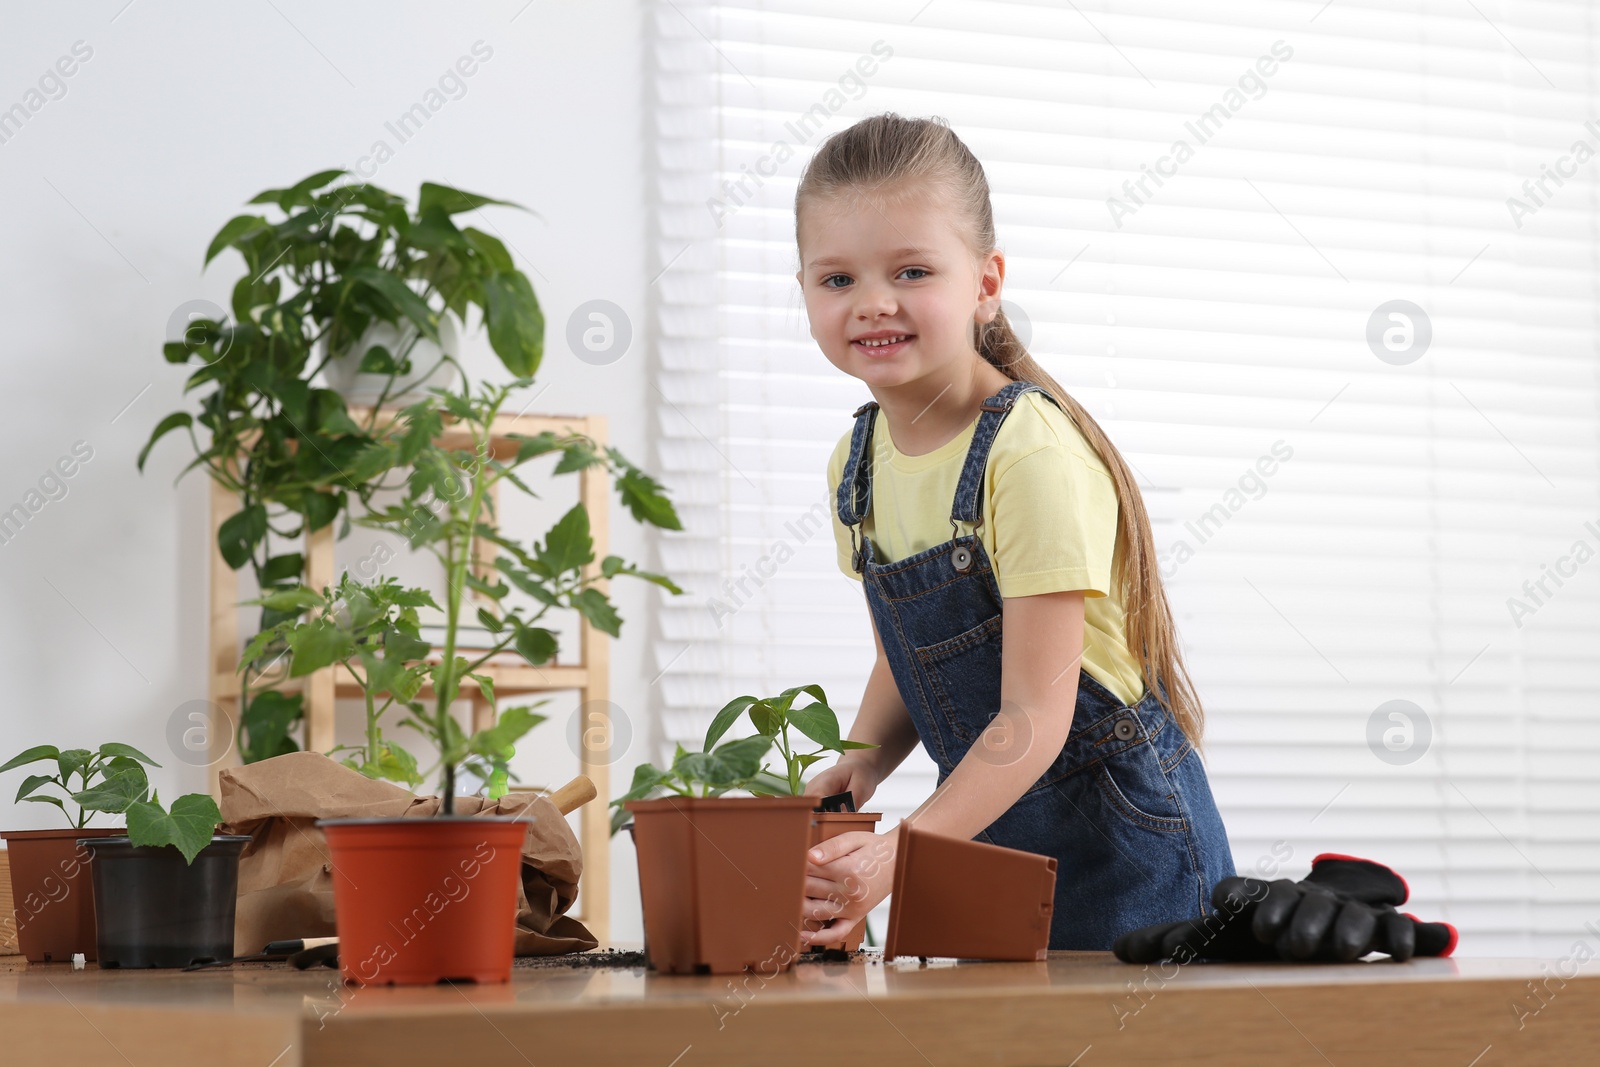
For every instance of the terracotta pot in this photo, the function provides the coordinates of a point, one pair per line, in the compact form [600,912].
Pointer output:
[153,909]
[968,899]
[418,901]
[722,881]
[52,892]
[826,824]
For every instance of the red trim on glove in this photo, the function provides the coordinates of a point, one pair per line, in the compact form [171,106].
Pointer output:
[1451,947]
[1319,857]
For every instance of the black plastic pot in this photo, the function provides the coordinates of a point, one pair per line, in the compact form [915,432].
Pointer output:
[154,910]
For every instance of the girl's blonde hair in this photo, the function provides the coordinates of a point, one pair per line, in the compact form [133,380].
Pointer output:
[890,155]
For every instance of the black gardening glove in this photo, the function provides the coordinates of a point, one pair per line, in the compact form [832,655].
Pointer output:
[1341,911]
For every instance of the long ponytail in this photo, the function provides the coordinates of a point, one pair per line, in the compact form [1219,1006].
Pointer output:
[1149,628]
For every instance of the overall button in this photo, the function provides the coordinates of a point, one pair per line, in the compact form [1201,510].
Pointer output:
[1125,729]
[961,558]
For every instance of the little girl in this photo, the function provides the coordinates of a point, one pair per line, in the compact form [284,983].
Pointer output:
[975,500]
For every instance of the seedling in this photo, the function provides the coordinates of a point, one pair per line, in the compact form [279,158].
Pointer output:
[733,765]
[108,778]
[773,717]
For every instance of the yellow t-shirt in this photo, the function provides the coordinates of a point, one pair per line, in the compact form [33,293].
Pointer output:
[1049,519]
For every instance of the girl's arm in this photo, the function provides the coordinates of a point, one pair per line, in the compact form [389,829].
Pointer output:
[1042,648]
[883,720]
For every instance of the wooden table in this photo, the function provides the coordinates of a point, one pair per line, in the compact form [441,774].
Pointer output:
[1080,1008]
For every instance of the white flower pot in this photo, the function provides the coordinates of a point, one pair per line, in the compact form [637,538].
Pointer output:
[427,371]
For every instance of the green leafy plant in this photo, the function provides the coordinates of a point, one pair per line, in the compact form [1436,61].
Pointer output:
[112,779]
[108,779]
[733,765]
[774,717]
[447,510]
[188,826]
[332,261]
[372,632]
[740,763]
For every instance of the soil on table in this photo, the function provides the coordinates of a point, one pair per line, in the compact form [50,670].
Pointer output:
[621,959]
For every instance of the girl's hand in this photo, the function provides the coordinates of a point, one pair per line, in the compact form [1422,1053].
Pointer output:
[857,777]
[846,877]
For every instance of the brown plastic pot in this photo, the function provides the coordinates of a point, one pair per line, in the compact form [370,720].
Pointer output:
[722,881]
[968,899]
[52,893]
[826,824]
[419,901]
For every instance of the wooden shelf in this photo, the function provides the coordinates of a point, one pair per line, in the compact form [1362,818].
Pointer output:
[590,676]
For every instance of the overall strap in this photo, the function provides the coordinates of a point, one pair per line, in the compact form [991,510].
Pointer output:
[854,501]
[969,488]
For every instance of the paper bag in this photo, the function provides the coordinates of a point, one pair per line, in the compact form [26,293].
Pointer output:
[285,874]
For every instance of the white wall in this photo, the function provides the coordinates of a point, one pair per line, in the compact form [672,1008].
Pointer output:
[110,194]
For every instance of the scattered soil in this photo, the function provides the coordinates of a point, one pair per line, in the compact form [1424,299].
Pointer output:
[623,959]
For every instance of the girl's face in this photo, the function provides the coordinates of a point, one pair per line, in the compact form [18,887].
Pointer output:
[893,270]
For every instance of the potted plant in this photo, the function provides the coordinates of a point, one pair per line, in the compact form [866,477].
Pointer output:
[50,885]
[774,717]
[348,286]
[721,878]
[165,893]
[397,918]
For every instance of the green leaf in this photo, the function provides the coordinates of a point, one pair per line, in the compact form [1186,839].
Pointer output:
[188,826]
[117,749]
[495,592]
[283,568]
[594,606]
[116,793]
[516,325]
[235,228]
[536,645]
[500,739]
[766,718]
[266,725]
[321,509]
[646,779]
[164,427]
[399,645]
[315,645]
[486,684]
[299,193]
[397,765]
[44,798]
[239,534]
[538,590]
[454,201]
[401,296]
[490,248]
[577,455]
[32,782]
[612,566]
[72,760]
[643,496]
[568,545]
[818,722]
[295,600]
[725,718]
[32,755]
[490,621]
[531,447]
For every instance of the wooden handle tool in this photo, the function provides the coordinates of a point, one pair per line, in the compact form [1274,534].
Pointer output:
[575,794]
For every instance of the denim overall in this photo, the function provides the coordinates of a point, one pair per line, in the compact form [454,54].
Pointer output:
[1125,809]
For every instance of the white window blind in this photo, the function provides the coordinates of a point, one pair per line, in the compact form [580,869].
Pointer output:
[1340,531]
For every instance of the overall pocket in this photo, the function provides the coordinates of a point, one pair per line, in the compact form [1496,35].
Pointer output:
[963,675]
[1136,785]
